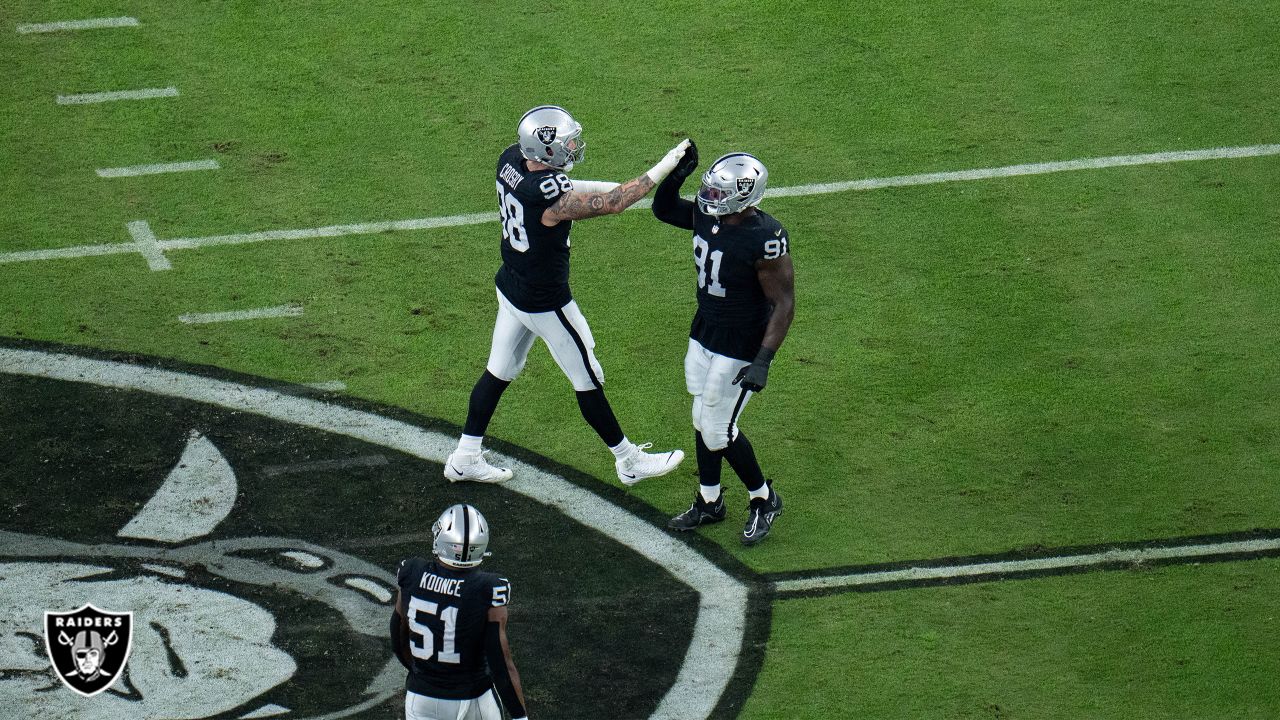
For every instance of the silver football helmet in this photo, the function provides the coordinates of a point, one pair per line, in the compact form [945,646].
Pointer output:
[549,135]
[732,184]
[460,537]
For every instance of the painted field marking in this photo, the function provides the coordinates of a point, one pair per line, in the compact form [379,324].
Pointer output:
[101,97]
[998,569]
[720,629]
[1160,158]
[157,169]
[92,24]
[255,314]
[328,386]
[374,228]
[363,461]
[148,246]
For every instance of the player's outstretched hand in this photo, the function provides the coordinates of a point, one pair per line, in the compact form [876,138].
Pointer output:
[688,163]
[668,163]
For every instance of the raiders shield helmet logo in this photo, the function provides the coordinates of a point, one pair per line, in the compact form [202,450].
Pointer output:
[746,185]
[88,647]
[546,134]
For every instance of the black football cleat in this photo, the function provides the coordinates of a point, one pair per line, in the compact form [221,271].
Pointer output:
[700,512]
[761,516]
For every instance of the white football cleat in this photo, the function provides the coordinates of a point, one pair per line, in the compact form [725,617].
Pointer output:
[640,464]
[468,467]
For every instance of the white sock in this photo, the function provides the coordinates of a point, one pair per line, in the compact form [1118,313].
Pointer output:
[709,493]
[762,493]
[470,444]
[623,449]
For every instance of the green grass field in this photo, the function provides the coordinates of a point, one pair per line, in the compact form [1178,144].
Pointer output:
[1056,360]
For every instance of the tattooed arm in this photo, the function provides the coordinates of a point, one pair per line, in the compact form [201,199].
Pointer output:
[577,206]
[580,205]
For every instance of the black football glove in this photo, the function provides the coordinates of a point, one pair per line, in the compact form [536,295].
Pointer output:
[754,376]
[687,164]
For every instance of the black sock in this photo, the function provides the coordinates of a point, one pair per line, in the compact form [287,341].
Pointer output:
[708,462]
[595,408]
[484,400]
[742,458]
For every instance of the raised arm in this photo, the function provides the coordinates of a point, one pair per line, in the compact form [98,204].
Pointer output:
[668,206]
[497,651]
[777,279]
[575,205]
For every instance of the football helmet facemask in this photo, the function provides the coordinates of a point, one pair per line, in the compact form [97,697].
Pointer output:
[549,135]
[460,537]
[732,184]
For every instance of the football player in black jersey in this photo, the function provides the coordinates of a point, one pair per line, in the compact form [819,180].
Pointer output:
[746,301]
[538,203]
[450,627]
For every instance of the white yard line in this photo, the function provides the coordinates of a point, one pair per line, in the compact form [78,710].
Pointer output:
[92,24]
[147,245]
[328,386]
[1160,158]
[101,97]
[331,231]
[1047,564]
[135,170]
[255,314]
[373,228]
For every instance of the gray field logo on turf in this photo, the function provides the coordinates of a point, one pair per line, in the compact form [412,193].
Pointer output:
[88,647]
[244,581]
[187,623]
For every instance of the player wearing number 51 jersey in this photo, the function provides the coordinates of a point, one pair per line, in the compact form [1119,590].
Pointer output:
[537,204]
[746,300]
[450,627]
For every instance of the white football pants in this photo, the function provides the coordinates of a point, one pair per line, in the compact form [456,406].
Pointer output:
[717,402]
[565,332]
[421,707]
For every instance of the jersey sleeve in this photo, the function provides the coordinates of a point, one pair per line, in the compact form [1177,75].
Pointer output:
[541,190]
[408,568]
[774,243]
[501,596]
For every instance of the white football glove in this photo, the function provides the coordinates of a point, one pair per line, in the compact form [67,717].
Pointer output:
[668,163]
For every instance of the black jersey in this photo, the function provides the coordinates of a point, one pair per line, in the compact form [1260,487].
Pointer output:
[535,258]
[733,310]
[447,611]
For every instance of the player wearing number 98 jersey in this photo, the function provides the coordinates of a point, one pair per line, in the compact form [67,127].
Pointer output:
[746,301]
[537,204]
[449,628]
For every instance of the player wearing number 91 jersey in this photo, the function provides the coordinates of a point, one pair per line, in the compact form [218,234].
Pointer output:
[746,301]
[449,628]
[537,204]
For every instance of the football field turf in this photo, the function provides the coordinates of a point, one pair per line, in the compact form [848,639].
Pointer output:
[1016,366]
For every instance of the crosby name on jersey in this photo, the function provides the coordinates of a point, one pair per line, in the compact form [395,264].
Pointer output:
[535,258]
[733,310]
